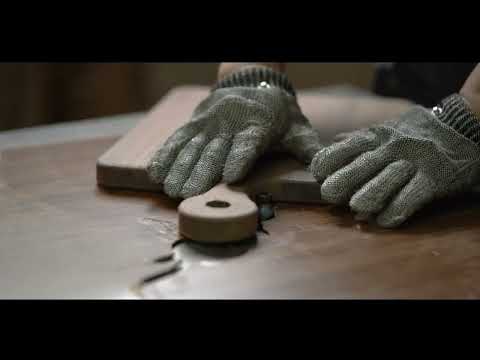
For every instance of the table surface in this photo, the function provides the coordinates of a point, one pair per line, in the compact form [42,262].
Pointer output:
[63,237]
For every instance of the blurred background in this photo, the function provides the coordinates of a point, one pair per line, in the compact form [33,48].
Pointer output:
[44,93]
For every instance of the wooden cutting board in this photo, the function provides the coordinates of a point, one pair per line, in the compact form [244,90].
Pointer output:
[286,180]
[124,164]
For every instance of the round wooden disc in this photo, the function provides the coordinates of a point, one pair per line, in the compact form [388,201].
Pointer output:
[220,215]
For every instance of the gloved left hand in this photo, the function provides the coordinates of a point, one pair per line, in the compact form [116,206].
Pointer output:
[229,131]
[394,169]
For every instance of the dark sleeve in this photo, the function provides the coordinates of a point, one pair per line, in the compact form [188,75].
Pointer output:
[423,83]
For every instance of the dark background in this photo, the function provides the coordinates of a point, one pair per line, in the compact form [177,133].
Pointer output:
[42,93]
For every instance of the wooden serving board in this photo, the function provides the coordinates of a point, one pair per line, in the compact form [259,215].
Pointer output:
[226,213]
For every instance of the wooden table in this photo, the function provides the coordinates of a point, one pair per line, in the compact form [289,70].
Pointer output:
[62,237]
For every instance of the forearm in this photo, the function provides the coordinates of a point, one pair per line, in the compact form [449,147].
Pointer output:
[227,68]
[471,90]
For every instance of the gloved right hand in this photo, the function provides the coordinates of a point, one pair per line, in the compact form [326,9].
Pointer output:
[394,169]
[228,131]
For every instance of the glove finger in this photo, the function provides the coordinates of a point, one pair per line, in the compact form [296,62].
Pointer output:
[183,165]
[302,141]
[246,147]
[208,170]
[416,194]
[374,195]
[345,135]
[341,185]
[330,159]
[163,159]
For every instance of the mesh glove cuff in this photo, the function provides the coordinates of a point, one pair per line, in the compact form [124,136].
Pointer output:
[253,77]
[455,112]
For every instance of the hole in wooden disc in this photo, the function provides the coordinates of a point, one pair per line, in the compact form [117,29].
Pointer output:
[218,204]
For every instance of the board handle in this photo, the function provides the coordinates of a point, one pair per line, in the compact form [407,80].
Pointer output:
[223,214]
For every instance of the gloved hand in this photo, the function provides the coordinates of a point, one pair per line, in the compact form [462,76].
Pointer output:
[394,169]
[228,131]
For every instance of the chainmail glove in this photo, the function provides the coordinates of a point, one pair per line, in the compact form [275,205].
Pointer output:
[228,131]
[393,170]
